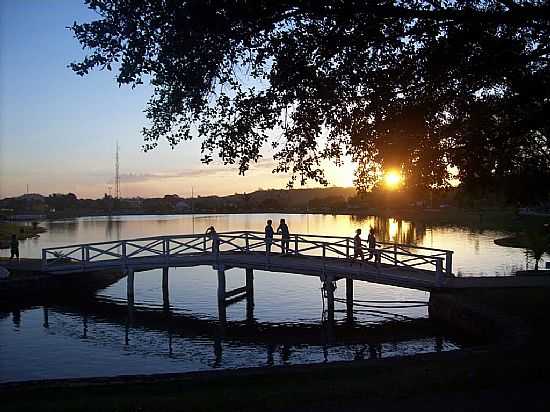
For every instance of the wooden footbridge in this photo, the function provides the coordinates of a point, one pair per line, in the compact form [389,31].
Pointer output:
[330,258]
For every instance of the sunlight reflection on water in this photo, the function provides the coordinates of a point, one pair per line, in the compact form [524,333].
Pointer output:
[475,252]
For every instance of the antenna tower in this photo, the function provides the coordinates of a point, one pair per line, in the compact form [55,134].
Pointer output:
[117,174]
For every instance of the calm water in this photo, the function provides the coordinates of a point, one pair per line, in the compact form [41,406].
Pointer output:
[98,336]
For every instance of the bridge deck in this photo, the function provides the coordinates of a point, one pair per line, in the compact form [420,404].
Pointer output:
[327,257]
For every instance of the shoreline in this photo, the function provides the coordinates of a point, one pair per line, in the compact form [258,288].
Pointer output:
[495,218]
[22,231]
[336,386]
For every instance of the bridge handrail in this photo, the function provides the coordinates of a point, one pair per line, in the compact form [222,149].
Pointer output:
[407,245]
[160,246]
[137,239]
[404,245]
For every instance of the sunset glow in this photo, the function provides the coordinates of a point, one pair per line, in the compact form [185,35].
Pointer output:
[392,179]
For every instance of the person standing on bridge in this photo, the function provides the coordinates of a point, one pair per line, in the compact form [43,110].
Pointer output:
[371,240]
[285,236]
[357,245]
[212,234]
[269,232]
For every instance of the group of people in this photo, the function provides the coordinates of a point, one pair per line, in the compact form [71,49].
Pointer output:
[283,230]
[269,233]
[358,244]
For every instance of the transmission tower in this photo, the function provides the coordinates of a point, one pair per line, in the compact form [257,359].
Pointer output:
[117,174]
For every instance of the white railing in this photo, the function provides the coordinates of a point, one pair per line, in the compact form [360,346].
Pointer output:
[165,248]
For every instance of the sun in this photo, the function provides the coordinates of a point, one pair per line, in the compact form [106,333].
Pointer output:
[392,179]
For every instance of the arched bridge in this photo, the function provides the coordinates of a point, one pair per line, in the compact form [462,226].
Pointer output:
[327,257]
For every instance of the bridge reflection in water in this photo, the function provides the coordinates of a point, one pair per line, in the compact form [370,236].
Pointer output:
[283,340]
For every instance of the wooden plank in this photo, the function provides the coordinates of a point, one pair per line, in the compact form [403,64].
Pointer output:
[235,292]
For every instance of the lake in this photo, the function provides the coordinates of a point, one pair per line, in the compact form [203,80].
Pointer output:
[99,336]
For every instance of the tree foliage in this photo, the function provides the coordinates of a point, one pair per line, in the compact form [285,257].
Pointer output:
[416,85]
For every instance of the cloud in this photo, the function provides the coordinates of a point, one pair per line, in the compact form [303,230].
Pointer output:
[203,171]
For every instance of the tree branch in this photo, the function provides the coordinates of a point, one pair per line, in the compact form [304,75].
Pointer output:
[519,15]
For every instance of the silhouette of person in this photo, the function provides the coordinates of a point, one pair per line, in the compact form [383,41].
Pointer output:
[357,246]
[212,234]
[371,240]
[269,232]
[14,247]
[285,236]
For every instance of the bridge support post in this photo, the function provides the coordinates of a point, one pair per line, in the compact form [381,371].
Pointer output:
[222,313]
[349,300]
[165,290]
[250,281]
[130,286]
[329,290]
[449,263]
[249,294]
[439,276]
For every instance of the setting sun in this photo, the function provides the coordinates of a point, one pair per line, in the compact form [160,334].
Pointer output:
[392,179]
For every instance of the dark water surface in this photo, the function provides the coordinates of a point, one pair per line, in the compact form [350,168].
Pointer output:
[98,336]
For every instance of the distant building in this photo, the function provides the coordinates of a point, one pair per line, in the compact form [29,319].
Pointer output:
[182,206]
[32,197]
[134,203]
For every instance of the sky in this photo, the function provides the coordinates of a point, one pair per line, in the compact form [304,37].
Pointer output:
[58,131]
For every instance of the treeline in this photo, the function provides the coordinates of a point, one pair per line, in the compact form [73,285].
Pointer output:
[324,200]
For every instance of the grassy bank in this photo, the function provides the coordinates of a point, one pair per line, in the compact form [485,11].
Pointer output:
[21,231]
[426,381]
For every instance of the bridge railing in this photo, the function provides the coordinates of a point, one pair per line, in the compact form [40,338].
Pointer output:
[162,248]
[406,255]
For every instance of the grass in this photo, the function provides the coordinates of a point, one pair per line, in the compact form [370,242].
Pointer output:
[22,232]
[319,387]
[530,305]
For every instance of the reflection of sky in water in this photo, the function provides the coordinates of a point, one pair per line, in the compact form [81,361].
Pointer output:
[76,346]
[277,297]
